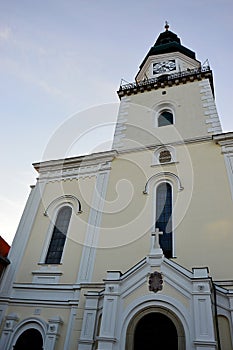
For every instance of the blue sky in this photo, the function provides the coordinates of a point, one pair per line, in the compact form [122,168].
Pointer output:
[59,58]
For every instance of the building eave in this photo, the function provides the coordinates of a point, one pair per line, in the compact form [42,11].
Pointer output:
[79,161]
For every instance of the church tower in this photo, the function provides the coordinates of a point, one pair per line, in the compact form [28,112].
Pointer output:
[131,248]
[171,89]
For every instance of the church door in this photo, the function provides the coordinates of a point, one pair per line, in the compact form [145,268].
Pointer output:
[155,331]
[28,340]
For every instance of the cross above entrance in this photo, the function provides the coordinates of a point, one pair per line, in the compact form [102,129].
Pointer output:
[155,238]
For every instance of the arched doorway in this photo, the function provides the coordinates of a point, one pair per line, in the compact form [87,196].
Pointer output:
[155,330]
[29,339]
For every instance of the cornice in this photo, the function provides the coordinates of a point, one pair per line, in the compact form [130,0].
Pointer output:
[225,140]
[176,143]
[75,167]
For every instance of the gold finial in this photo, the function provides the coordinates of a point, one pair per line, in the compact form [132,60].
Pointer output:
[166,25]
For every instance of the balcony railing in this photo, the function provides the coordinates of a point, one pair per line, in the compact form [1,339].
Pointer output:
[165,78]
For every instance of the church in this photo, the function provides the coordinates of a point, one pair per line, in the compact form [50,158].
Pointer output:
[131,248]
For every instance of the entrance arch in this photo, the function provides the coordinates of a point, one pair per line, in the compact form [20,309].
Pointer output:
[155,328]
[29,339]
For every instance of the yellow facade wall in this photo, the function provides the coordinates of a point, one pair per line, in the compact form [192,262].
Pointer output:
[43,226]
[128,216]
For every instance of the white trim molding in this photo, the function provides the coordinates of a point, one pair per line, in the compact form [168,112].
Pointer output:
[225,140]
[65,199]
[74,168]
[93,228]
[163,176]
[165,106]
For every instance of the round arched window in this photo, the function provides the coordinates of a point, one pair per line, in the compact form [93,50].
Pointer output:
[165,118]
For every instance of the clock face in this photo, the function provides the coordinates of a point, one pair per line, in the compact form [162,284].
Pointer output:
[163,67]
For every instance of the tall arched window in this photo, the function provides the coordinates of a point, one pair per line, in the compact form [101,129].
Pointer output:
[58,236]
[164,217]
[165,118]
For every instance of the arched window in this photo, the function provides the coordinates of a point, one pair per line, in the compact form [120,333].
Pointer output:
[165,118]
[164,217]
[58,236]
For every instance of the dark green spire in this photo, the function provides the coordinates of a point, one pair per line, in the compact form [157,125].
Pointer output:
[168,42]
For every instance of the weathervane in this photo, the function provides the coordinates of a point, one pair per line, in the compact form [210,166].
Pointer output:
[166,25]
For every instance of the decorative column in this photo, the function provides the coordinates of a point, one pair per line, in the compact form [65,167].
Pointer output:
[52,332]
[8,329]
[106,338]
[204,337]
[89,321]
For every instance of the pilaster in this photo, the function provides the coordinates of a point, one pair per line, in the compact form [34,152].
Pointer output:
[89,321]
[93,228]
[70,325]
[107,336]
[202,310]
[226,142]
[21,238]
[11,321]
[53,332]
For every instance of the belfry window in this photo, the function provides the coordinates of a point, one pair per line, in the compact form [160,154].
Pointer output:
[164,217]
[165,118]
[165,156]
[58,236]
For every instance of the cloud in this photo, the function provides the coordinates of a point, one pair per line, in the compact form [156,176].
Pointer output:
[49,89]
[5,33]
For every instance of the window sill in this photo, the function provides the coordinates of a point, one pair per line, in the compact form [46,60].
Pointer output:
[47,275]
[162,164]
[45,264]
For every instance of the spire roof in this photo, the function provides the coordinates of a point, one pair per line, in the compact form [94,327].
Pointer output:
[167,37]
[167,42]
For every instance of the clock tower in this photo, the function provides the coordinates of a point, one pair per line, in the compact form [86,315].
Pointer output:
[167,56]
[172,98]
